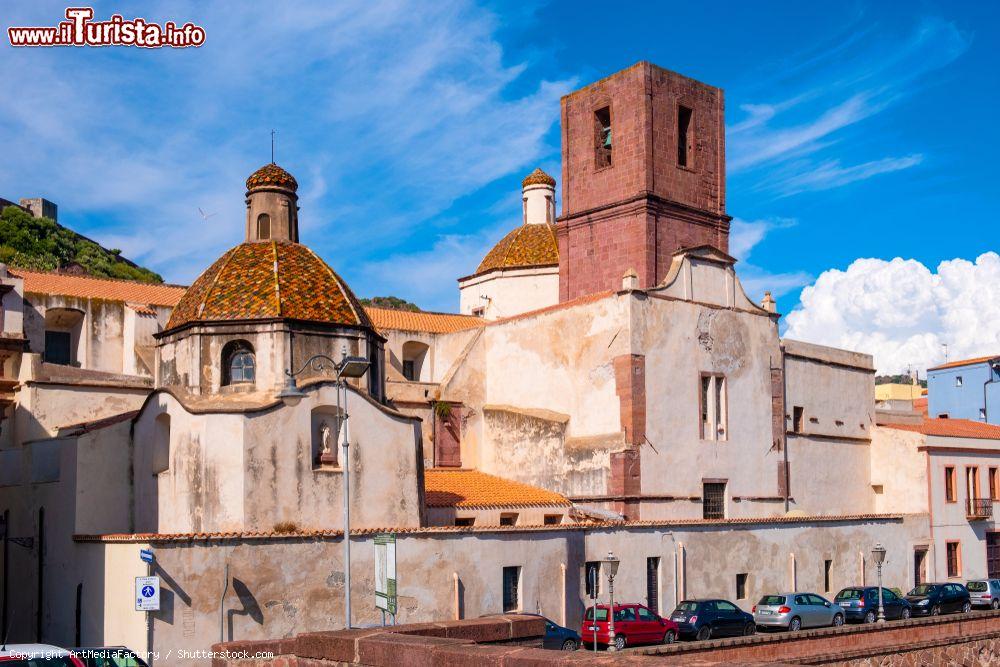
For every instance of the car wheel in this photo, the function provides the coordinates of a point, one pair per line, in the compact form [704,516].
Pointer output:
[870,617]
[795,625]
[966,607]
[669,637]
[995,604]
[749,629]
[619,642]
[705,633]
[905,614]
[569,645]
[936,610]
[838,620]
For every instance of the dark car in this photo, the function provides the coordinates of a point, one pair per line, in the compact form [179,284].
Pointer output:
[560,638]
[634,624]
[934,599]
[860,603]
[705,619]
[108,656]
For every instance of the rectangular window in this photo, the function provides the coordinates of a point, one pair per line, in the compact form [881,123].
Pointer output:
[972,483]
[602,138]
[552,519]
[511,584]
[954,555]
[408,370]
[958,380]
[713,500]
[949,484]
[797,419]
[58,348]
[508,519]
[713,407]
[685,130]
[741,586]
[592,579]
[827,567]
[994,480]
[653,584]
[465,521]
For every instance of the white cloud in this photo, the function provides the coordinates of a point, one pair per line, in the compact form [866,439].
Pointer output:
[830,174]
[744,236]
[902,312]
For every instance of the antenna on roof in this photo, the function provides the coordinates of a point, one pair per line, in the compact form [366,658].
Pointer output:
[945,346]
[272,146]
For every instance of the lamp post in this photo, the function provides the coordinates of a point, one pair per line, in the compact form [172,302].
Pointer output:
[878,553]
[611,563]
[347,367]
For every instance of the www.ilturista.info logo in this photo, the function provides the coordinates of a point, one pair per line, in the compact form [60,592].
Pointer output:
[81,30]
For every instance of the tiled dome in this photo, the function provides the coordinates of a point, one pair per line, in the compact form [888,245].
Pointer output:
[538,177]
[272,174]
[269,280]
[526,246]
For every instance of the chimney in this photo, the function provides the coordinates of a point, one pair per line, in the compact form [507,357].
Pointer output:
[768,303]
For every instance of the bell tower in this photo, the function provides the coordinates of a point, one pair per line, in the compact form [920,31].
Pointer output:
[643,164]
[272,205]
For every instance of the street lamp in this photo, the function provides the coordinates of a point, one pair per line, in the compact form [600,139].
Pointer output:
[347,367]
[878,553]
[611,563]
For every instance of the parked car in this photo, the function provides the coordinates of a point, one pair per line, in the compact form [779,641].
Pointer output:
[861,604]
[634,625]
[108,656]
[984,592]
[934,599]
[37,655]
[705,619]
[794,611]
[560,638]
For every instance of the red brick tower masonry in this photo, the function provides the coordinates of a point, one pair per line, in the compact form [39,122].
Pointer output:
[644,175]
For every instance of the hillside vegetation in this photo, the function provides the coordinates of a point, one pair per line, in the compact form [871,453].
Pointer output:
[44,245]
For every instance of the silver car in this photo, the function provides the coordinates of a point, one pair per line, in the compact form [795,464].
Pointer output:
[793,611]
[984,592]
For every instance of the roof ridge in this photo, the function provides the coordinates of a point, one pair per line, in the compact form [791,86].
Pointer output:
[56,273]
[343,289]
[274,272]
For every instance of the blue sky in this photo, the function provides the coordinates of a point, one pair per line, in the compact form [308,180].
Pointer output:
[855,130]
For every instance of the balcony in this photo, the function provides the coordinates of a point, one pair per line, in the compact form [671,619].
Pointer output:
[979,509]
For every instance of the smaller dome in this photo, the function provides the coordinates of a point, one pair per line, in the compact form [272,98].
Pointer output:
[526,246]
[538,177]
[272,174]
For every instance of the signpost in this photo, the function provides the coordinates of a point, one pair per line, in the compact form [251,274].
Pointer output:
[147,594]
[146,555]
[385,574]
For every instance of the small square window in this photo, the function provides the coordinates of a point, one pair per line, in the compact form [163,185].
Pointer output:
[465,521]
[714,500]
[552,519]
[508,519]
[797,414]
[958,380]
[511,586]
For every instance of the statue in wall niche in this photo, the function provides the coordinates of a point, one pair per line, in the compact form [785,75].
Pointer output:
[328,453]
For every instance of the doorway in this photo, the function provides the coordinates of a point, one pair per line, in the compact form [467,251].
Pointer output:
[919,563]
[993,555]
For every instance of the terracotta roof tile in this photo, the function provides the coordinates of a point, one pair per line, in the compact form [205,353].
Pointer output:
[404,320]
[276,279]
[952,428]
[89,287]
[459,487]
[920,405]
[538,177]
[527,245]
[964,362]
[271,174]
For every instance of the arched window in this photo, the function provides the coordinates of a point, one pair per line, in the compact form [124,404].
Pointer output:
[238,363]
[263,226]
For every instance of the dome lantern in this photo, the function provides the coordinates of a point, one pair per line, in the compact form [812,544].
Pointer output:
[272,205]
[538,196]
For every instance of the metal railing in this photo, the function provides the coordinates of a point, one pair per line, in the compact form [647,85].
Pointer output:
[979,508]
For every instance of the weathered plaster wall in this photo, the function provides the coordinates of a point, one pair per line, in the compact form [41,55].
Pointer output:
[42,407]
[509,292]
[899,469]
[523,516]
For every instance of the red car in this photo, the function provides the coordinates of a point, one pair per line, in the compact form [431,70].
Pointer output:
[634,625]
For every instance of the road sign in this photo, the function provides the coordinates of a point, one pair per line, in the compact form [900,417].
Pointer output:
[147,594]
[146,555]
[385,572]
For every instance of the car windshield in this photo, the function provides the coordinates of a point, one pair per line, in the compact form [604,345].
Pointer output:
[922,589]
[850,594]
[602,614]
[687,606]
[976,586]
[772,599]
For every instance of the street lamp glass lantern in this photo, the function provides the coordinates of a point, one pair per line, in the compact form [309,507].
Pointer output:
[611,565]
[352,367]
[878,553]
[290,393]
